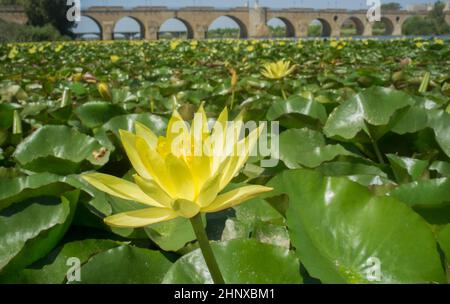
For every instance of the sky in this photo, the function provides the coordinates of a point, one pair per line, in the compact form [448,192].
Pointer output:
[127,24]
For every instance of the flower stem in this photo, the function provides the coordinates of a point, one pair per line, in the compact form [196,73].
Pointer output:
[283,92]
[377,151]
[233,96]
[208,254]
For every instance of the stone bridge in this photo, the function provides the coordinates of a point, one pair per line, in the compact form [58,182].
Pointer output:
[252,21]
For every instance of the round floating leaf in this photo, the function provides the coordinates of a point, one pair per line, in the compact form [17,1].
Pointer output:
[344,234]
[439,121]
[374,106]
[54,267]
[172,235]
[444,242]
[241,262]
[156,123]
[340,168]
[60,150]
[443,168]
[125,265]
[414,118]
[30,229]
[6,115]
[429,193]
[407,169]
[21,188]
[298,112]
[96,113]
[304,147]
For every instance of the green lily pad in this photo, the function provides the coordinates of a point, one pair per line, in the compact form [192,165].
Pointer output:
[304,147]
[374,106]
[32,228]
[96,113]
[23,187]
[54,267]
[344,234]
[241,262]
[125,265]
[60,150]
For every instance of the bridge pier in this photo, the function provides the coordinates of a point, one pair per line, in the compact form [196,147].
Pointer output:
[368,28]
[151,31]
[107,28]
[258,23]
[335,31]
[397,29]
[200,32]
[302,30]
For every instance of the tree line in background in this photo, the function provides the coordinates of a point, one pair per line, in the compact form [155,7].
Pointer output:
[433,24]
[48,22]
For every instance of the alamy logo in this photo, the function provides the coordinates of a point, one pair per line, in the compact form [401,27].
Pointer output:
[374,12]
[74,11]
[73,273]
[372,269]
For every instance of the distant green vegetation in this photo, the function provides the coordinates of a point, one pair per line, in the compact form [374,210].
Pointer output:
[12,32]
[433,24]
[223,33]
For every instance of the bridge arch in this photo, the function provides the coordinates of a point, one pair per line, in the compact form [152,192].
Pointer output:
[128,31]
[83,28]
[383,28]
[407,27]
[176,26]
[230,22]
[319,27]
[352,26]
[289,28]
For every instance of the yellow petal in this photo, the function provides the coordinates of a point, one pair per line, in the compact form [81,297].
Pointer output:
[181,177]
[200,167]
[120,188]
[140,218]
[155,166]
[152,189]
[218,139]
[209,191]
[129,144]
[185,208]
[241,152]
[147,134]
[176,127]
[235,197]
[200,121]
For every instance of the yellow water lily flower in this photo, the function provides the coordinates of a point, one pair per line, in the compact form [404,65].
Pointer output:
[59,48]
[439,41]
[104,91]
[174,44]
[173,179]
[114,58]
[278,70]
[250,48]
[334,44]
[194,44]
[234,78]
[32,50]
[13,53]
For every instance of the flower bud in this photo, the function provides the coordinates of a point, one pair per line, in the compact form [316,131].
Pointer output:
[104,91]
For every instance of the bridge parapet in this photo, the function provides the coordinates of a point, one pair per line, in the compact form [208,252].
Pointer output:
[252,21]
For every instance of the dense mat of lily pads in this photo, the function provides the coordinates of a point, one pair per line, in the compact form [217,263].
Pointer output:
[361,190]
